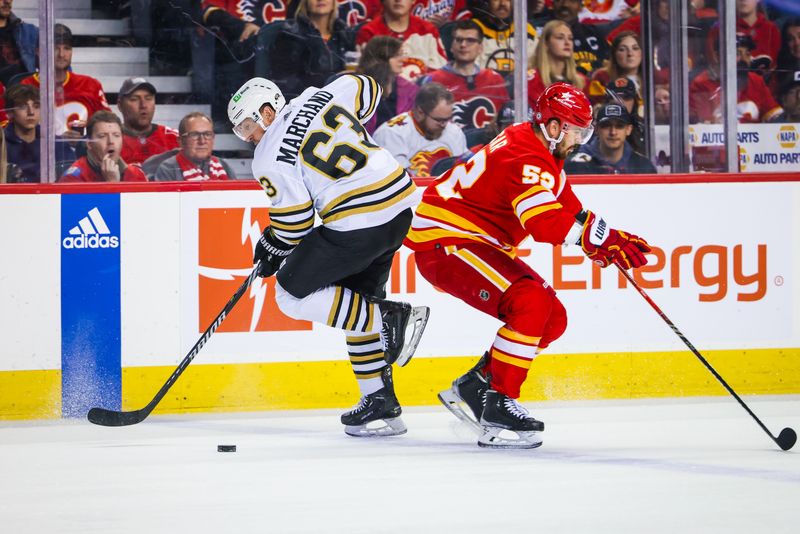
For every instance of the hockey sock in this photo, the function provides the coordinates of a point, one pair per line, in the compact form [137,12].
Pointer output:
[334,306]
[510,358]
[366,357]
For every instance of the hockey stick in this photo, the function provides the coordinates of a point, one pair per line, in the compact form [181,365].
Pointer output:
[785,440]
[104,417]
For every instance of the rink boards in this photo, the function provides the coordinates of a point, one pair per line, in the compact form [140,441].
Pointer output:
[104,291]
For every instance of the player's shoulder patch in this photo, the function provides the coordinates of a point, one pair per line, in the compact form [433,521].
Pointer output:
[400,120]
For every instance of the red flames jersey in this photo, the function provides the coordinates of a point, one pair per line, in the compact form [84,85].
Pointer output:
[354,12]
[76,99]
[258,12]
[136,149]
[477,99]
[82,171]
[754,103]
[511,188]
[421,44]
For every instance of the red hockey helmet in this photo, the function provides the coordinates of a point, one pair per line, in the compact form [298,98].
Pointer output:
[569,106]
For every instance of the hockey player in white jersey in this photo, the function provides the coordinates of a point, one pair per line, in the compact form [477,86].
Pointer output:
[313,156]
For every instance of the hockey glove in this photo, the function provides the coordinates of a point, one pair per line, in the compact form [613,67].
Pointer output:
[271,252]
[604,245]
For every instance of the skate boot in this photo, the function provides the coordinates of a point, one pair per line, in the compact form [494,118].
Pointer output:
[397,317]
[507,425]
[380,408]
[470,389]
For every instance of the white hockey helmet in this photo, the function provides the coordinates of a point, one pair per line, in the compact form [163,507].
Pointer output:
[244,105]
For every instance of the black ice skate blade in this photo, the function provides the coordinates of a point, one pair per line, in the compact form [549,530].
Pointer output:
[452,401]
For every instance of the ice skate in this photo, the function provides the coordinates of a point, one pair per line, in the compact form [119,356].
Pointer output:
[470,389]
[398,317]
[506,424]
[376,414]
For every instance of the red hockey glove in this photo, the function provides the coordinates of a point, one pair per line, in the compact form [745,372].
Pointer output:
[604,245]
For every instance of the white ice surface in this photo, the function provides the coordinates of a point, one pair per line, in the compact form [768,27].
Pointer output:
[672,466]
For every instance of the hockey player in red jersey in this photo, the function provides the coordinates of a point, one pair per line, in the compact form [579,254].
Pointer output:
[465,233]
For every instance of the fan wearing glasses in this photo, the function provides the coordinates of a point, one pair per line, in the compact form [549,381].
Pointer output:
[426,134]
[194,160]
[479,93]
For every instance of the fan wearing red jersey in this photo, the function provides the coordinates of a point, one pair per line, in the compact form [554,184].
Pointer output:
[465,233]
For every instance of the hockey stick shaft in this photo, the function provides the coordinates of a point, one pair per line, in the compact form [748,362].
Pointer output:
[787,437]
[105,417]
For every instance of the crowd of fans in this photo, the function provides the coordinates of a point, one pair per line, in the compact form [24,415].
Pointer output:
[445,67]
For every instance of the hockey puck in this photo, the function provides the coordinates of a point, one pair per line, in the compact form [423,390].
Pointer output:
[226,448]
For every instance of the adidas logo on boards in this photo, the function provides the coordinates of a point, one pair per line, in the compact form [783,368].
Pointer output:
[91,232]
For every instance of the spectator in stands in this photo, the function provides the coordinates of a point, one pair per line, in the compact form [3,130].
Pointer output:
[382,58]
[625,62]
[309,48]
[19,42]
[789,55]
[663,104]
[102,162]
[496,20]
[78,96]
[422,50]
[553,61]
[790,98]
[195,160]
[479,93]
[764,33]
[660,33]
[141,137]
[755,102]
[22,137]
[425,135]
[608,12]
[591,48]
[622,91]
[439,12]
[609,152]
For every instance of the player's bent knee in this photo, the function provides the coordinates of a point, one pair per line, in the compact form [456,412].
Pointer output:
[287,303]
[526,306]
[556,324]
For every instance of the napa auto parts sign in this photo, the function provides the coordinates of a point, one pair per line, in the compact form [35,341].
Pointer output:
[721,268]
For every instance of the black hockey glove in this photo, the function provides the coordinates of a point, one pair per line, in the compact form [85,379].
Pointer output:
[271,252]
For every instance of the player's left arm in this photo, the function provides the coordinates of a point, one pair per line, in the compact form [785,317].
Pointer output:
[551,213]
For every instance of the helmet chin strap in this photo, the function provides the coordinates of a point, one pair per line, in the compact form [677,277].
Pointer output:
[553,142]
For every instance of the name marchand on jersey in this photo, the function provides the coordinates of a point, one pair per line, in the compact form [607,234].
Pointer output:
[317,157]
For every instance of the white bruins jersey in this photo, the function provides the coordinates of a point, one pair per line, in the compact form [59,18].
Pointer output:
[316,156]
[402,138]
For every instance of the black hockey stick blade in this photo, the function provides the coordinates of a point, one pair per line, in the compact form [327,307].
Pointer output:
[103,417]
[106,417]
[785,440]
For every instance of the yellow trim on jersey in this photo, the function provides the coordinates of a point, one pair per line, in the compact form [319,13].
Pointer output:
[517,337]
[516,362]
[441,214]
[491,33]
[372,208]
[370,316]
[374,96]
[533,212]
[341,199]
[352,318]
[288,209]
[482,267]
[302,225]
[337,298]
[532,192]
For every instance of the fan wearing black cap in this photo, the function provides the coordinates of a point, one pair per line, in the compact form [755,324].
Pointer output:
[609,152]
[78,97]
[623,91]
[141,137]
[754,102]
